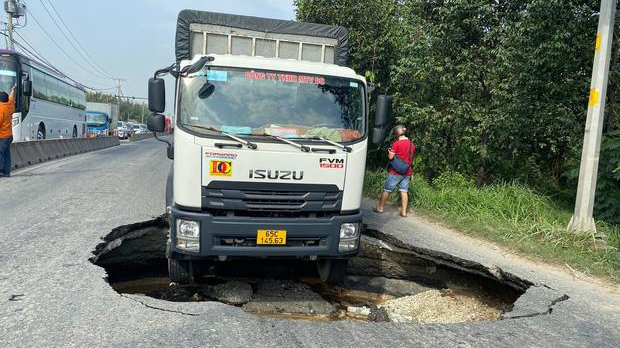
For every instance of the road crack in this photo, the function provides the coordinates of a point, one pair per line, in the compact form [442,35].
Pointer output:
[548,311]
[160,309]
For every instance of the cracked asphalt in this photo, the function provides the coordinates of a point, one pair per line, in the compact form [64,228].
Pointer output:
[53,215]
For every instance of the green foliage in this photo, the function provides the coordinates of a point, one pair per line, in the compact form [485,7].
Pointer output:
[494,90]
[607,204]
[129,109]
[512,215]
[451,179]
[374,31]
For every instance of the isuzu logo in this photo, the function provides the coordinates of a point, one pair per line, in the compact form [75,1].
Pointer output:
[269,174]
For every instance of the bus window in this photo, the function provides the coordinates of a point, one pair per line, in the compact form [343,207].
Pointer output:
[38,85]
[8,75]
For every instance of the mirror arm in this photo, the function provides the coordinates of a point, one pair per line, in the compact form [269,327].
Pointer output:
[162,140]
[164,71]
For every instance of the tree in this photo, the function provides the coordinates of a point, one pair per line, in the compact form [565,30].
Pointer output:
[495,90]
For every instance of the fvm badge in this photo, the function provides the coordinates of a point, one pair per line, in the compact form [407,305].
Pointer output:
[331,163]
[220,168]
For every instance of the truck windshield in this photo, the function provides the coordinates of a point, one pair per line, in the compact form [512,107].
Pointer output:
[285,104]
[93,119]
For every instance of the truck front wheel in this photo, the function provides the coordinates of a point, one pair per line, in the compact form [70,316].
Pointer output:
[332,271]
[180,271]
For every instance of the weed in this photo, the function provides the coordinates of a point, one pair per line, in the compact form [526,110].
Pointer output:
[512,215]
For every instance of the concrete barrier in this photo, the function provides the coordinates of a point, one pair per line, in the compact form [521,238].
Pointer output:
[33,152]
[141,136]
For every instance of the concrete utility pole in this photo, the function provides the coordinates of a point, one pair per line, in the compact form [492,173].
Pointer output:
[9,29]
[143,111]
[118,96]
[582,220]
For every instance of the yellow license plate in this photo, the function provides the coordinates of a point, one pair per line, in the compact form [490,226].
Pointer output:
[271,237]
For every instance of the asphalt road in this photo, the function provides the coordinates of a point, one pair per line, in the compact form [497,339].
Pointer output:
[53,215]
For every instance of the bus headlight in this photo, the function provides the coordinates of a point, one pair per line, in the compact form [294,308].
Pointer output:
[188,235]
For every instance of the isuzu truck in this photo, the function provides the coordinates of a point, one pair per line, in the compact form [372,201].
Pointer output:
[270,140]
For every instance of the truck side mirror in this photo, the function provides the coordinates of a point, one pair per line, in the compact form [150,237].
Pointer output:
[156,122]
[27,88]
[157,95]
[382,118]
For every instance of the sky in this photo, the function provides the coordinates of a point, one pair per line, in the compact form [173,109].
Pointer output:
[129,39]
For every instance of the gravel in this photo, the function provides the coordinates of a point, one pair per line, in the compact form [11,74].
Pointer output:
[441,307]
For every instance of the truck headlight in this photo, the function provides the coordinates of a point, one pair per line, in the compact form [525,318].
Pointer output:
[349,236]
[188,235]
[349,230]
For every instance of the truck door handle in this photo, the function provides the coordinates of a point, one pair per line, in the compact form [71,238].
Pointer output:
[223,145]
[329,151]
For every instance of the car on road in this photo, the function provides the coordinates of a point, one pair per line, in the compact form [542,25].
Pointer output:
[134,129]
[122,130]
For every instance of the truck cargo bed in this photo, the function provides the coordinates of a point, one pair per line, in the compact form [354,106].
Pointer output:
[200,32]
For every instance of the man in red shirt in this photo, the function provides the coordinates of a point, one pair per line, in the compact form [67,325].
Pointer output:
[403,148]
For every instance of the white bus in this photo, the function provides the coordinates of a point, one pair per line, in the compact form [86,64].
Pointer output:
[47,104]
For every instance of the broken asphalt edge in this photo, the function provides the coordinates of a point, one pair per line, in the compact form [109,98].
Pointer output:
[537,299]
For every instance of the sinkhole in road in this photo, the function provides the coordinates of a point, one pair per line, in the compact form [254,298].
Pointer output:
[387,281]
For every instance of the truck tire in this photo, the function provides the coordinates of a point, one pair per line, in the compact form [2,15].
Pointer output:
[180,271]
[332,271]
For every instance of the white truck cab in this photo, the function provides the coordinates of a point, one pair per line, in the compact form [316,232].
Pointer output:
[269,152]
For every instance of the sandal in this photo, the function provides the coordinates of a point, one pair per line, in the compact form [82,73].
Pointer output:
[403,215]
[377,210]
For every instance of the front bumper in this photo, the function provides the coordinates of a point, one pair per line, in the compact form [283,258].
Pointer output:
[306,237]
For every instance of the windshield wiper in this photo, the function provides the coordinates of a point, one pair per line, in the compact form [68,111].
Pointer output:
[343,147]
[235,138]
[303,148]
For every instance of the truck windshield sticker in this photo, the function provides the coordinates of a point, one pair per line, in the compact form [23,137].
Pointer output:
[353,84]
[219,155]
[217,75]
[220,168]
[212,75]
[282,77]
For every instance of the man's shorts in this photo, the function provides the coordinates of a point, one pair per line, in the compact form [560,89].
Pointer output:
[393,180]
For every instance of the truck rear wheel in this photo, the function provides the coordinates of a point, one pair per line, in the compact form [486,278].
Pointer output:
[180,271]
[332,271]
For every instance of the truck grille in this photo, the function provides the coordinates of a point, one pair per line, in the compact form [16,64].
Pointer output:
[286,201]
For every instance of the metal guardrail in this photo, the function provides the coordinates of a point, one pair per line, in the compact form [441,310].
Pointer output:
[33,152]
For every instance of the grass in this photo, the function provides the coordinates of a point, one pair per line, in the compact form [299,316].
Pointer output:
[511,215]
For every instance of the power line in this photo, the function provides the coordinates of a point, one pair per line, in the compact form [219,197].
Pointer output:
[36,54]
[56,43]
[77,41]
[40,57]
[127,86]
[71,43]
